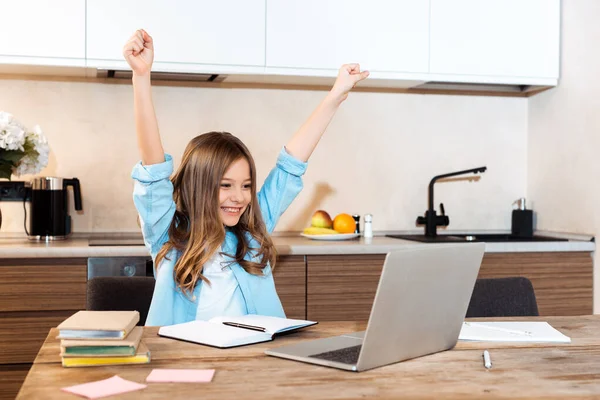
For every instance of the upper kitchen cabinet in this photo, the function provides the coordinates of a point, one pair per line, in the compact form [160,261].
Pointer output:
[496,41]
[189,35]
[42,32]
[385,37]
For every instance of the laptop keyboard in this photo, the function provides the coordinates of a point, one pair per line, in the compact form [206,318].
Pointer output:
[347,355]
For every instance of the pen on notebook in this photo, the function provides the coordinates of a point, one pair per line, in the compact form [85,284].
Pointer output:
[487,361]
[499,329]
[251,327]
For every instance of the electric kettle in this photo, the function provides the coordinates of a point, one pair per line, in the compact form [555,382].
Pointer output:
[50,219]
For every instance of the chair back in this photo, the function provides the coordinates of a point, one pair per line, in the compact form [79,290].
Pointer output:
[120,294]
[503,297]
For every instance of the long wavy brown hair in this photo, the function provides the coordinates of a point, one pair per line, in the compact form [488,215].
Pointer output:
[197,230]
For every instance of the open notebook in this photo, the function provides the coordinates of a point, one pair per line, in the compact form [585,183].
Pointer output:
[233,331]
[511,331]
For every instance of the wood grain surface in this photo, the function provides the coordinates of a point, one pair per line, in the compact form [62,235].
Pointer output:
[534,371]
[342,288]
[290,280]
[46,284]
[22,333]
[11,379]
[563,282]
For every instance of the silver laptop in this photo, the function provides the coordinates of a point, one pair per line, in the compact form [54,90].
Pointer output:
[419,307]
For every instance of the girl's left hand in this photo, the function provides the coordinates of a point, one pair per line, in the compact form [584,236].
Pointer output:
[348,76]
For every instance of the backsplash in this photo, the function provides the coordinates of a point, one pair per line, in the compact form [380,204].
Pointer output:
[377,156]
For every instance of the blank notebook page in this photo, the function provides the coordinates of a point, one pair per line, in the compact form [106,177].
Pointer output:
[212,333]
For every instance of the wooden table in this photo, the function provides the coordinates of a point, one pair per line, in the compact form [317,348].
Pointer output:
[523,371]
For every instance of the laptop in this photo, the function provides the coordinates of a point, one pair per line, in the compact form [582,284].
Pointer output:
[419,308]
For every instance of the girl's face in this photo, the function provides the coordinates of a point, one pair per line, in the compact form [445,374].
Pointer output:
[235,192]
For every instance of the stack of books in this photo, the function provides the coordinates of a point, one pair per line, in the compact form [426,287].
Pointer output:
[91,338]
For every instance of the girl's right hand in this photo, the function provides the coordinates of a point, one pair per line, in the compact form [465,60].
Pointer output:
[139,52]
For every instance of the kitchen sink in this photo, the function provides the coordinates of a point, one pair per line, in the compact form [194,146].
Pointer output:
[476,237]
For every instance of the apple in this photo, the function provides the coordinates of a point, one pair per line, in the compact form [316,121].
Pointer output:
[321,219]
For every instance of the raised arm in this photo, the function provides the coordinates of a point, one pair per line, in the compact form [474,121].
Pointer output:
[304,141]
[139,53]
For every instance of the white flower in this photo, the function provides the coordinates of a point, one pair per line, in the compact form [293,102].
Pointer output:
[34,161]
[12,133]
[15,141]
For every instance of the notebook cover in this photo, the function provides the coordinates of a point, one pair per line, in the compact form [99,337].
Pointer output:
[101,348]
[119,321]
[142,357]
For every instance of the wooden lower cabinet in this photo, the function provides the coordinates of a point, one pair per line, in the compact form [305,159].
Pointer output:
[563,282]
[11,379]
[290,280]
[342,287]
[35,295]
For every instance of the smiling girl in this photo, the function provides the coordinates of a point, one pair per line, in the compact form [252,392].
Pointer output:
[207,228]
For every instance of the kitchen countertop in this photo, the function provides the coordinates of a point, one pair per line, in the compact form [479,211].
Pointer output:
[286,244]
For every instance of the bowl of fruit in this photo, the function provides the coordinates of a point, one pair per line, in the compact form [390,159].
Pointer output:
[322,227]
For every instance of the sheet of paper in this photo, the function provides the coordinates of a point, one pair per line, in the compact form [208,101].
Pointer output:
[511,331]
[181,375]
[103,388]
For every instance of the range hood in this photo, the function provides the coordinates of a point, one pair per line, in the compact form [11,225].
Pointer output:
[162,76]
[477,87]
[411,84]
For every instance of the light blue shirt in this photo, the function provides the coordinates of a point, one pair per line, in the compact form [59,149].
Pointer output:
[153,198]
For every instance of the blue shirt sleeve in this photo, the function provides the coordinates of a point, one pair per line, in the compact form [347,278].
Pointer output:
[153,199]
[280,188]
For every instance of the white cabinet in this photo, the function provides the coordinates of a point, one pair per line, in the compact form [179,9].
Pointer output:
[401,42]
[42,32]
[190,35]
[515,39]
[381,35]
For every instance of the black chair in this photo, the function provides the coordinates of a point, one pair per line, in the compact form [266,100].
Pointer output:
[120,294]
[503,297]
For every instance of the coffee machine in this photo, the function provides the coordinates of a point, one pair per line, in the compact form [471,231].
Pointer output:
[50,219]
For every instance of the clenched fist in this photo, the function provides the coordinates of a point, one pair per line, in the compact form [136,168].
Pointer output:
[139,52]
[348,76]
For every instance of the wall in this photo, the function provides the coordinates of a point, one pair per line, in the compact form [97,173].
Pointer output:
[563,166]
[377,156]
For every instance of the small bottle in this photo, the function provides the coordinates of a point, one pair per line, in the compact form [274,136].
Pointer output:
[368,226]
[357,221]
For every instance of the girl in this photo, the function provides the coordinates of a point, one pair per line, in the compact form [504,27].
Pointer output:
[207,228]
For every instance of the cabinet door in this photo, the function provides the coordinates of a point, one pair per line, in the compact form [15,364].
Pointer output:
[512,38]
[224,32]
[342,288]
[381,35]
[290,280]
[562,282]
[42,284]
[34,29]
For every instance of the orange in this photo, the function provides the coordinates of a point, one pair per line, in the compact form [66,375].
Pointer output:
[344,223]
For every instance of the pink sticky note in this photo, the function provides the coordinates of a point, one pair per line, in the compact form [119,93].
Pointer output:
[103,388]
[180,375]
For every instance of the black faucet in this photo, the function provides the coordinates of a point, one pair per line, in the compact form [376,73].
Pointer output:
[431,220]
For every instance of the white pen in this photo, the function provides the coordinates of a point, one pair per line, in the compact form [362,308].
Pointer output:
[500,329]
[487,361]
